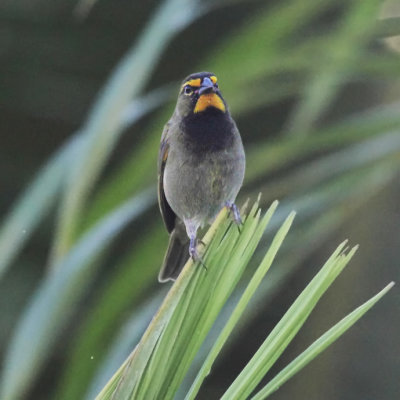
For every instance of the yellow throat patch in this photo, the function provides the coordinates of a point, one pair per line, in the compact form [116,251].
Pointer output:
[209,100]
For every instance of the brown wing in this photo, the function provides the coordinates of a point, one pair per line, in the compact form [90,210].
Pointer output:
[168,215]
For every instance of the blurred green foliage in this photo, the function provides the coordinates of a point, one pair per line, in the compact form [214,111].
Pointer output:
[86,88]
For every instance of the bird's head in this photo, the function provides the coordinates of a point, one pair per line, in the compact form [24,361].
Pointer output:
[200,94]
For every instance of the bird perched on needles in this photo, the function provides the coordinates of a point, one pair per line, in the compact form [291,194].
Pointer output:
[201,167]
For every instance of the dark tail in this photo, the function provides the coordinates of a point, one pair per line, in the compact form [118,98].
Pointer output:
[176,255]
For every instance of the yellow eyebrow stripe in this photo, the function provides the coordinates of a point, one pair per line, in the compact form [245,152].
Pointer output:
[197,82]
[193,82]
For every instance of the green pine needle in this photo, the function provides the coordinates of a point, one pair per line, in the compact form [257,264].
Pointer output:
[159,363]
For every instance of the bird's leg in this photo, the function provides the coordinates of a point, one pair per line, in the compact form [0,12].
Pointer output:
[193,248]
[191,230]
[235,212]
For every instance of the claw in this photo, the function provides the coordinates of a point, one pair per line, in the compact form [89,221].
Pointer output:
[194,255]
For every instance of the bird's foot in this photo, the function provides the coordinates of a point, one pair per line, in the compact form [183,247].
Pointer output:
[194,254]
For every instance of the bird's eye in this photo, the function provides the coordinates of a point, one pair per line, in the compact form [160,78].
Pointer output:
[188,90]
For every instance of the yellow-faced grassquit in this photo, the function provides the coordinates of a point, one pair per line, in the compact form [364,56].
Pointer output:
[200,167]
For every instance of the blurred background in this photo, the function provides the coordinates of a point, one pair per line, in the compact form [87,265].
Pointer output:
[85,89]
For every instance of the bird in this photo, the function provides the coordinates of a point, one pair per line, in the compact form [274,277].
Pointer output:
[201,166]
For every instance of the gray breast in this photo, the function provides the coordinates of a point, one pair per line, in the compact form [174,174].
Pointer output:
[197,185]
